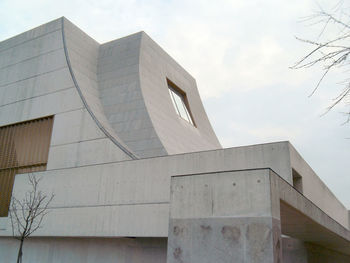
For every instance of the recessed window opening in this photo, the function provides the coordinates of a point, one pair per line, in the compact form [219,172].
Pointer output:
[297,181]
[179,99]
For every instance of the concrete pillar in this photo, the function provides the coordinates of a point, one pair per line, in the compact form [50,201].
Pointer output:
[224,217]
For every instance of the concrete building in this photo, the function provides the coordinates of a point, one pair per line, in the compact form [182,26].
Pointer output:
[117,131]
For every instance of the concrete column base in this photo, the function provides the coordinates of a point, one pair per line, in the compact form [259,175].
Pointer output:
[224,240]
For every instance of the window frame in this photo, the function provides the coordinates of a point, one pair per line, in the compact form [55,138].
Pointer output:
[174,90]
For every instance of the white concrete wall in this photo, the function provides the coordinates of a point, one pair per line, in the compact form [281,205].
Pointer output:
[176,134]
[35,81]
[242,194]
[30,66]
[121,96]
[85,250]
[223,217]
[132,78]
[117,90]
[131,198]
[82,55]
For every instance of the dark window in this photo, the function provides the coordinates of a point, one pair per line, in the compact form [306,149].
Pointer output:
[297,181]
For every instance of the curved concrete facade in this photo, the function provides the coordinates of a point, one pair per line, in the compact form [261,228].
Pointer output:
[176,135]
[82,53]
[112,110]
[111,99]
[37,81]
[123,85]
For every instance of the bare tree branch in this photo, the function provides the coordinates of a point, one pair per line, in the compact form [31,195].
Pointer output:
[330,53]
[27,214]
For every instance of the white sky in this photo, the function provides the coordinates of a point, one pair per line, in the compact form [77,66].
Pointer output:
[240,52]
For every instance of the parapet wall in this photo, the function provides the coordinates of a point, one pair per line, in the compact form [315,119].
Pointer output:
[139,189]
[316,190]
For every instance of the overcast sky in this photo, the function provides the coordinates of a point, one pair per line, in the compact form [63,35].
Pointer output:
[240,52]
